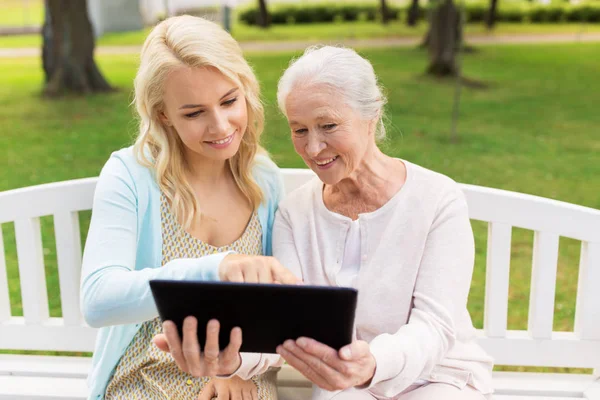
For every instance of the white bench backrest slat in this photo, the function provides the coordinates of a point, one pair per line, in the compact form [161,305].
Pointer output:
[4,292]
[41,200]
[564,349]
[52,335]
[502,210]
[497,279]
[533,213]
[543,284]
[587,311]
[32,274]
[68,253]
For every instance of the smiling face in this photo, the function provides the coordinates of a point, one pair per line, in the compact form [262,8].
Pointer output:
[208,112]
[329,135]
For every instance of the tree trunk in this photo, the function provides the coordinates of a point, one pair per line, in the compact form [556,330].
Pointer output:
[413,13]
[263,15]
[444,39]
[385,12]
[490,19]
[68,50]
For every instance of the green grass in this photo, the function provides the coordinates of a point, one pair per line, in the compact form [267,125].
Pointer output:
[534,130]
[313,32]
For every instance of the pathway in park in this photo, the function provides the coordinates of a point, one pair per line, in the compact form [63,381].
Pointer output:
[279,46]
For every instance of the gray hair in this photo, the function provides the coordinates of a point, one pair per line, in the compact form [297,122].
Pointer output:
[343,70]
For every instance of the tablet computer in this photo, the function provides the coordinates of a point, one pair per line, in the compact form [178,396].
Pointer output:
[268,314]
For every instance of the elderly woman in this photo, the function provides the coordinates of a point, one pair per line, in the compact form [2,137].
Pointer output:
[397,232]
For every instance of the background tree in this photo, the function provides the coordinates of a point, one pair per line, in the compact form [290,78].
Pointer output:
[385,12]
[264,20]
[444,43]
[413,13]
[444,38]
[490,18]
[68,50]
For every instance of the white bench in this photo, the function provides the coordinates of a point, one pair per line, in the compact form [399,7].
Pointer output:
[53,377]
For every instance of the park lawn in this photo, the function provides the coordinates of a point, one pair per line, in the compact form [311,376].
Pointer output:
[329,32]
[534,130]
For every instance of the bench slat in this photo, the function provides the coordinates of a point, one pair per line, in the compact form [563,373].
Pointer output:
[38,388]
[497,279]
[533,212]
[541,384]
[41,200]
[4,292]
[563,349]
[31,270]
[68,251]
[593,392]
[587,311]
[543,284]
[51,335]
[45,366]
[508,385]
[24,388]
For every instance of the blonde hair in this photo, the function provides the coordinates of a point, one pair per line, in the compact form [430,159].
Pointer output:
[193,42]
[342,69]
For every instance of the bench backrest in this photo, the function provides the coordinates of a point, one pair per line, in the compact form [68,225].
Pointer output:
[502,210]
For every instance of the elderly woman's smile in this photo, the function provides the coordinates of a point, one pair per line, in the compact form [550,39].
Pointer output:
[326,163]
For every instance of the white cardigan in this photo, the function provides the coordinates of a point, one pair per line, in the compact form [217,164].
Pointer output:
[414,279]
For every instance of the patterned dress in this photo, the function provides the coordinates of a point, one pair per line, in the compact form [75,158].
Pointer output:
[145,372]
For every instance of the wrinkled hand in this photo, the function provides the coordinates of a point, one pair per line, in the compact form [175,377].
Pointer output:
[254,269]
[353,365]
[234,388]
[188,355]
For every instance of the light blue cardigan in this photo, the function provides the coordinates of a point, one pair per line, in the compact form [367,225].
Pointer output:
[123,252]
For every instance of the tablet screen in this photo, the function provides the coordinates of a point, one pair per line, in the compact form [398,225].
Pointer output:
[268,314]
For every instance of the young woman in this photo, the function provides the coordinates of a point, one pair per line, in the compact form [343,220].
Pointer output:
[193,199]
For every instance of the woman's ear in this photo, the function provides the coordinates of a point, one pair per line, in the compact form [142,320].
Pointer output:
[164,119]
[373,126]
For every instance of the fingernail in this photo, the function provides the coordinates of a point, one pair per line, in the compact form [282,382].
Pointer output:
[213,325]
[302,342]
[347,353]
[288,344]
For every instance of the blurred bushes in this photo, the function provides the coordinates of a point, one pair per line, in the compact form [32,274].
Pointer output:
[320,12]
[474,13]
